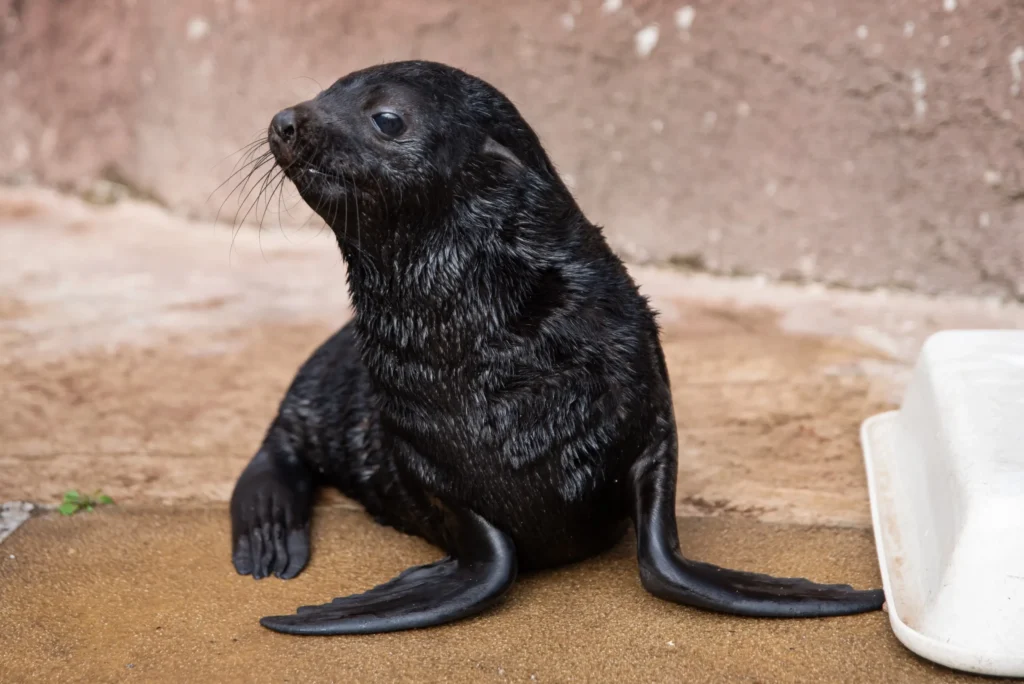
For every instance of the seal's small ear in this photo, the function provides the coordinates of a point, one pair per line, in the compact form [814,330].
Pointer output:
[494,149]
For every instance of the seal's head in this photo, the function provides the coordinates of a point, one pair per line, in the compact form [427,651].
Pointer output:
[400,144]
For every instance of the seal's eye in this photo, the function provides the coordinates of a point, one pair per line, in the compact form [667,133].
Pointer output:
[389,123]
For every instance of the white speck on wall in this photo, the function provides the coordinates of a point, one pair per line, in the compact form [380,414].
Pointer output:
[944,41]
[568,21]
[685,17]
[714,236]
[908,29]
[918,88]
[657,125]
[611,6]
[984,220]
[918,85]
[771,188]
[617,156]
[646,39]
[992,177]
[862,32]
[742,110]
[197,29]
[1016,58]
[949,5]
[709,120]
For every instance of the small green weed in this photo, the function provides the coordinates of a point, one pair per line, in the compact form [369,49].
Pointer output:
[74,502]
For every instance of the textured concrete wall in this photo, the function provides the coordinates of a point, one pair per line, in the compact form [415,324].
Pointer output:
[858,143]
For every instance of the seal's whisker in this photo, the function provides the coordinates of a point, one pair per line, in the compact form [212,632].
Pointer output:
[337,204]
[248,194]
[244,162]
[357,246]
[239,223]
[267,197]
[308,218]
[272,182]
[310,78]
[359,230]
[288,207]
[384,198]
[247,150]
[253,167]
[266,205]
[280,194]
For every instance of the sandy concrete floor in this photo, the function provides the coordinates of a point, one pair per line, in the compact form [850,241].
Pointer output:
[144,355]
[145,594]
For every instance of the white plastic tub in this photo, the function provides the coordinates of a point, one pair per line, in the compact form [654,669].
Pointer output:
[946,478]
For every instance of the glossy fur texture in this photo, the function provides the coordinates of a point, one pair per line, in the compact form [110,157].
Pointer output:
[501,390]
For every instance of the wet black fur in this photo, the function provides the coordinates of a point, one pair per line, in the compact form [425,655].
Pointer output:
[501,390]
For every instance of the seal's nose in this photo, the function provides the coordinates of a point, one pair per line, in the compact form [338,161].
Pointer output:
[283,125]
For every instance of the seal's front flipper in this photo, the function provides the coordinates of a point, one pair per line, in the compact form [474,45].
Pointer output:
[480,570]
[270,513]
[669,576]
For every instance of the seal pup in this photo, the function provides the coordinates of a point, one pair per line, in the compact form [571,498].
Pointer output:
[501,390]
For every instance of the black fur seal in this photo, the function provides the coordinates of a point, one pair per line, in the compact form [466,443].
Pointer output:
[501,390]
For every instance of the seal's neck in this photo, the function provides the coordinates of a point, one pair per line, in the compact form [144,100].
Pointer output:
[430,301]
[438,294]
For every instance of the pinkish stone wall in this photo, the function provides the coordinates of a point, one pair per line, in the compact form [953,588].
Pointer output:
[866,143]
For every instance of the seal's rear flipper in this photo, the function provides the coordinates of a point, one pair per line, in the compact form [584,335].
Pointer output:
[666,574]
[481,571]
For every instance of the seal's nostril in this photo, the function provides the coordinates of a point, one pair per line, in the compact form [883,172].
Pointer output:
[284,124]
